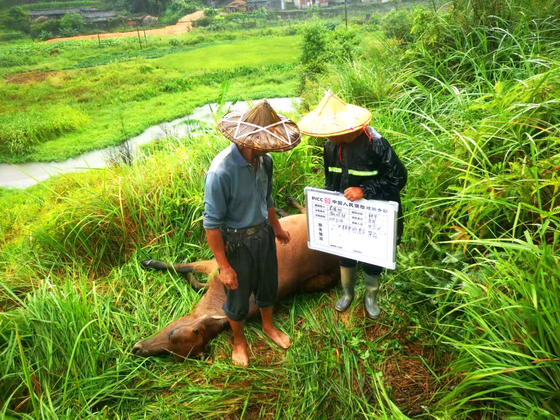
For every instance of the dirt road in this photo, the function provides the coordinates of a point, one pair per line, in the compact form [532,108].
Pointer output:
[183,25]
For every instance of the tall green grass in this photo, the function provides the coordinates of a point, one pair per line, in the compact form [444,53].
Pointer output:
[475,113]
[471,317]
[86,301]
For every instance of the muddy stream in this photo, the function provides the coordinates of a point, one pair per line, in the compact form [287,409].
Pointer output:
[24,175]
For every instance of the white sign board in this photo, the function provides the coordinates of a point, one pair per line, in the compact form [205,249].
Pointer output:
[363,230]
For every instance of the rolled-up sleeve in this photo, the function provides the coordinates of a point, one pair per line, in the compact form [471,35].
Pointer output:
[215,200]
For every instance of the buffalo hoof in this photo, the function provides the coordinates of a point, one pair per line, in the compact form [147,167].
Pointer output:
[157,265]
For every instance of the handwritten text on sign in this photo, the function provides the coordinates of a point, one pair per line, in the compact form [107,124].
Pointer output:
[364,230]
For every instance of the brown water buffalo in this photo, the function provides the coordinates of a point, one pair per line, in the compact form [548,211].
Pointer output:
[300,270]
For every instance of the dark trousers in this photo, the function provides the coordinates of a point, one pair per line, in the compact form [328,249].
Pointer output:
[369,269]
[254,260]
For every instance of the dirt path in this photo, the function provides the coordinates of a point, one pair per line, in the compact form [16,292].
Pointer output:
[183,25]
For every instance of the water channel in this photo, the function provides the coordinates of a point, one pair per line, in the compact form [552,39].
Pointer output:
[24,175]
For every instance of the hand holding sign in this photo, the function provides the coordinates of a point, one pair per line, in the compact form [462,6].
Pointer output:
[353,193]
[364,230]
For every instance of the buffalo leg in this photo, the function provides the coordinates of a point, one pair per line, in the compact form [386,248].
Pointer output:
[280,212]
[293,203]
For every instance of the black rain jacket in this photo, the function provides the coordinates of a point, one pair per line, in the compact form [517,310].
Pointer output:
[368,162]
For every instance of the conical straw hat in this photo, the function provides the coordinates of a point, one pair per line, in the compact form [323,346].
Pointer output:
[260,128]
[334,117]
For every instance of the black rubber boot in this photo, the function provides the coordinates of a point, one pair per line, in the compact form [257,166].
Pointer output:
[348,280]
[370,300]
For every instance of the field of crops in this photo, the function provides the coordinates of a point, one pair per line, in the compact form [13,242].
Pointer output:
[88,96]
[469,99]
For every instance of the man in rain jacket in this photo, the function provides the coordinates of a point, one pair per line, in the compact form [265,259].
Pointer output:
[360,163]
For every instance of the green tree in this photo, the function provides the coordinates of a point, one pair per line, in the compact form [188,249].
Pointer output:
[210,13]
[398,24]
[18,18]
[153,7]
[179,8]
[71,24]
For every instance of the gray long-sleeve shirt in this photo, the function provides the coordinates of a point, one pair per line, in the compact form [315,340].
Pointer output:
[234,195]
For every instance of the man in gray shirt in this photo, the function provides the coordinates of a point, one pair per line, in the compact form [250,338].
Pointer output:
[240,219]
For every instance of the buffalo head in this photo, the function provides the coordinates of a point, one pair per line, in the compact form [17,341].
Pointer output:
[182,338]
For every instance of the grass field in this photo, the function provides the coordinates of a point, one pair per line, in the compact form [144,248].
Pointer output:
[78,110]
[63,5]
[471,318]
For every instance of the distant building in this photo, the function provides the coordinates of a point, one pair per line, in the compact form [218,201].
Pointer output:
[304,4]
[236,6]
[90,15]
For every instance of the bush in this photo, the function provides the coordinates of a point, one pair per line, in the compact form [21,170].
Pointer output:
[71,23]
[44,35]
[290,31]
[210,13]
[201,23]
[398,24]
[179,8]
[374,23]
[314,42]
[344,46]
[51,26]
[323,43]
[17,18]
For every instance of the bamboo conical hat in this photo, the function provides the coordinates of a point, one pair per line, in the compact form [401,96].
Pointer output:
[334,117]
[260,128]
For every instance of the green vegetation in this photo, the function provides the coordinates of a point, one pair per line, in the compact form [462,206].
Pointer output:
[179,8]
[17,18]
[468,97]
[474,106]
[107,103]
[73,4]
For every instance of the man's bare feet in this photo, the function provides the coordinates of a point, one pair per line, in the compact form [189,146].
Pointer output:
[277,336]
[239,356]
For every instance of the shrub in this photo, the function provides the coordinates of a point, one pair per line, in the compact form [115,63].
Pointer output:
[201,23]
[179,8]
[323,43]
[71,23]
[51,26]
[44,35]
[314,43]
[374,23]
[210,13]
[398,24]
[291,31]
[17,18]
[344,46]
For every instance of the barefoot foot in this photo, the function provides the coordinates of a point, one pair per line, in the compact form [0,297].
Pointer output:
[239,356]
[277,336]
